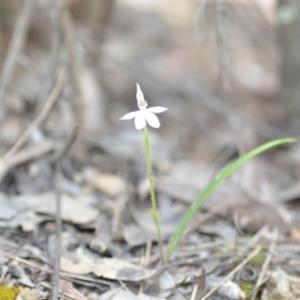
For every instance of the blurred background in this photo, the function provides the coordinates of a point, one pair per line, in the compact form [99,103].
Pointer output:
[227,70]
[229,73]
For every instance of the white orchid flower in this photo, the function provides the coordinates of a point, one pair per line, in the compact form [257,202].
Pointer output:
[144,114]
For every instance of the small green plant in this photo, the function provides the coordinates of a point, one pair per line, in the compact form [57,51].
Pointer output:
[147,115]
[211,186]
[141,118]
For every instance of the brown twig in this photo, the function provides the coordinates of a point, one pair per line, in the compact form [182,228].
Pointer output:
[15,46]
[236,269]
[59,157]
[58,232]
[75,67]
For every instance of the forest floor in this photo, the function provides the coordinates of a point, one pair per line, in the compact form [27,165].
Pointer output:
[64,146]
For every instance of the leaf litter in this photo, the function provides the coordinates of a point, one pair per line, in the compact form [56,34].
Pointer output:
[108,241]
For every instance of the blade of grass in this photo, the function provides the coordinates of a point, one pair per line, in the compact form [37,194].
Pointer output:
[223,175]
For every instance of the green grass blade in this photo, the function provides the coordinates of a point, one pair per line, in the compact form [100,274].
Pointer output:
[223,175]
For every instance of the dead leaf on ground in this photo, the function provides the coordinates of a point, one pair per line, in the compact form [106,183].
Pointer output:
[67,287]
[9,208]
[282,286]
[31,294]
[253,216]
[118,269]
[77,210]
[166,284]
[219,228]
[109,268]
[125,295]
[110,184]
[180,186]
[75,267]
[228,291]
[14,214]
[177,296]
[135,236]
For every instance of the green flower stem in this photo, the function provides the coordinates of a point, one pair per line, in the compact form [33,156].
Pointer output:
[152,194]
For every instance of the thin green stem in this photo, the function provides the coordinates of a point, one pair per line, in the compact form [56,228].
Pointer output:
[152,194]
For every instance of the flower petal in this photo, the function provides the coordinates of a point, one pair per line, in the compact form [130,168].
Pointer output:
[139,94]
[130,115]
[152,119]
[157,109]
[140,120]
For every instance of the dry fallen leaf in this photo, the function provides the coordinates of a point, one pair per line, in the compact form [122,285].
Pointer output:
[118,269]
[31,294]
[228,291]
[67,287]
[77,210]
[109,268]
[76,266]
[125,295]
[14,214]
[281,286]
[135,236]
[9,208]
[110,184]
[166,284]
[219,228]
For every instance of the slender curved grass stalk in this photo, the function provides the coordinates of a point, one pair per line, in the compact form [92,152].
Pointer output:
[223,175]
[152,194]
